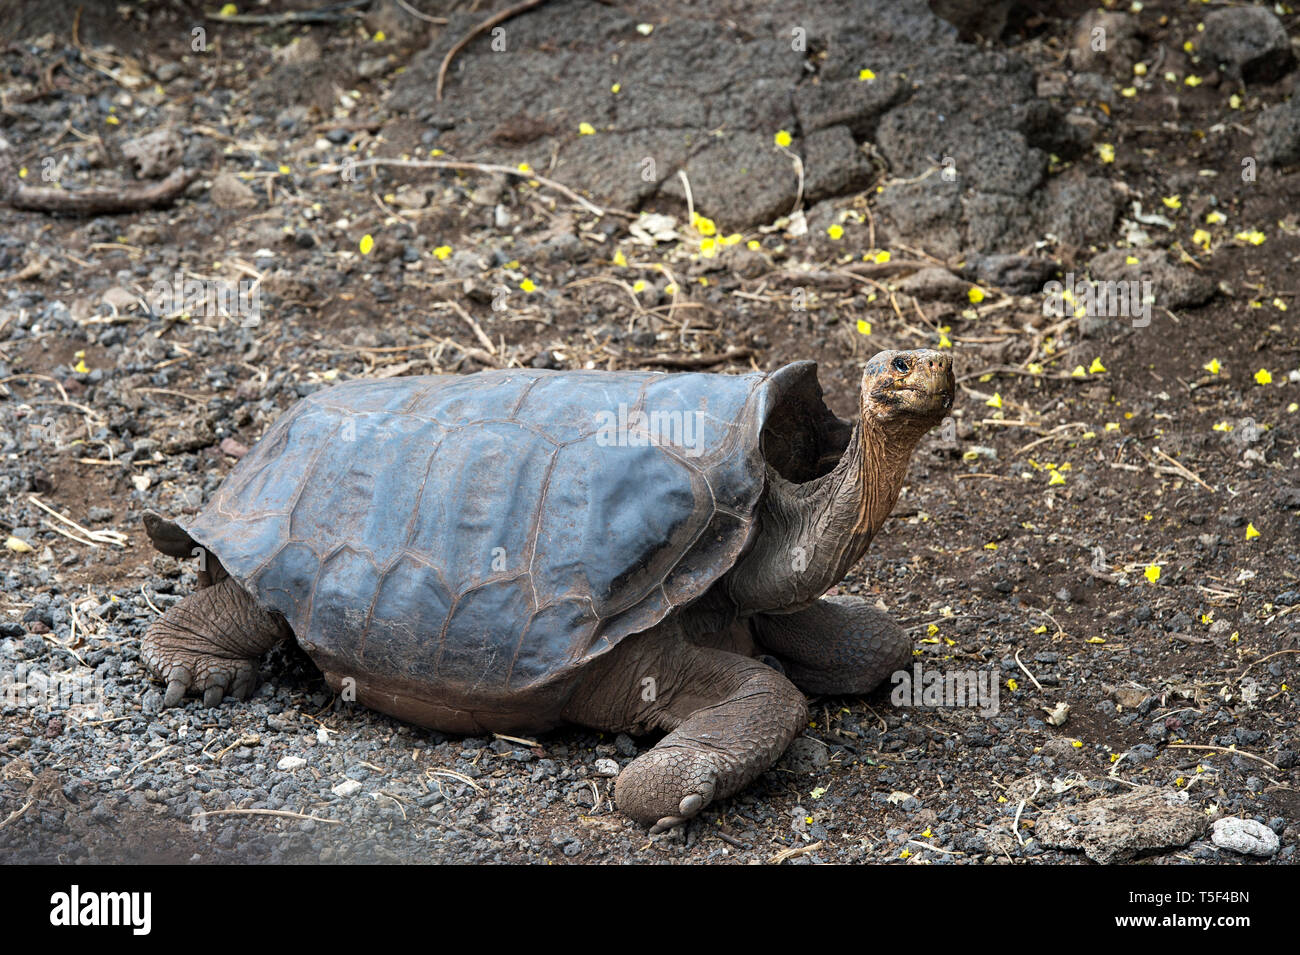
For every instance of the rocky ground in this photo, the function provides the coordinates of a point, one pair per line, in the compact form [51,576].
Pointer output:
[1107,526]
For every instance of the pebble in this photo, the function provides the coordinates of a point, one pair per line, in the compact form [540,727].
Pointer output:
[289,763]
[349,787]
[606,767]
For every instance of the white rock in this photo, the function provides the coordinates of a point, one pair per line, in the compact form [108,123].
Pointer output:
[349,787]
[290,763]
[1245,836]
[606,767]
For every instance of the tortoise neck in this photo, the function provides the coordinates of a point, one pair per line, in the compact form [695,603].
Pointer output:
[878,459]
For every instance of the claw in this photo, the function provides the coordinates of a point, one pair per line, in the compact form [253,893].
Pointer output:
[175,691]
[688,807]
[666,823]
[212,695]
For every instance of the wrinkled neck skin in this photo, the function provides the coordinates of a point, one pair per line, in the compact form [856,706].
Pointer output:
[810,535]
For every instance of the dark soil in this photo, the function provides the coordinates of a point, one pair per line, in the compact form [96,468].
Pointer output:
[1111,520]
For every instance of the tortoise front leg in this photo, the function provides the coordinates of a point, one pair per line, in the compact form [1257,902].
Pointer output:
[730,719]
[838,645]
[209,642]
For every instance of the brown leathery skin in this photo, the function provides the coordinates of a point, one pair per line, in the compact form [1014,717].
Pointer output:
[210,642]
[839,645]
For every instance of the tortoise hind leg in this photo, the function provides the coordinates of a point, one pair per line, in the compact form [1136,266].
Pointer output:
[730,719]
[838,645]
[209,642]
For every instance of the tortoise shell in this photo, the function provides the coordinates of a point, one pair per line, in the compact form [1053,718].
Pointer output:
[485,534]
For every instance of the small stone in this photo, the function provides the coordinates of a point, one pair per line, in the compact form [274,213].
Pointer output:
[230,192]
[289,763]
[1245,836]
[606,767]
[806,755]
[349,787]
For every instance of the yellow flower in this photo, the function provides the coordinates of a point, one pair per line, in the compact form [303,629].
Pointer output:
[1077,744]
[1173,202]
[783,138]
[524,167]
[1214,218]
[620,258]
[1262,377]
[1253,236]
[367,243]
[81,367]
[995,401]
[1106,151]
[864,327]
[1279,305]
[442,252]
[975,294]
[944,342]
[112,120]
[638,286]
[836,232]
[1152,573]
[753,245]
[1202,238]
[708,248]
[1012,685]
[616,88]
[1131,260]
[1034,368]
[732,239]
[1128,92]
[881,257]
[1079,372]
[1193,81]
[703,226]
[284,170]
[380,36]
[586,129]
[1213,366]
[1139,69]
[1096,368]
[229,10]
[1057,478]
[1251,533]
[866,75]
[528,285]
[1234,101]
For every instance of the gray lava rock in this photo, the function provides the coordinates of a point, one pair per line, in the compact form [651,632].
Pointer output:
[1249,43]
[1245,836]
[805,755]
[1116,828]
[1277,133]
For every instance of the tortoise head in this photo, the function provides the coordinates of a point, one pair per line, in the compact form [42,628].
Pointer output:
[909,388]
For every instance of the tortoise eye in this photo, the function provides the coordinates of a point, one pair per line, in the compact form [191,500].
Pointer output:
[900,364]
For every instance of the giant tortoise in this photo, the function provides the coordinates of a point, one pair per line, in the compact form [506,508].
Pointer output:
[516,549]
